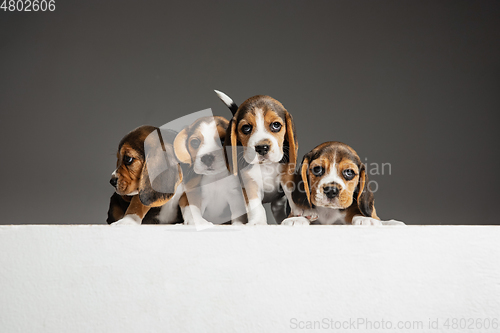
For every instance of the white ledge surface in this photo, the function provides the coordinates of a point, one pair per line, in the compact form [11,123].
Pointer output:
[95,278]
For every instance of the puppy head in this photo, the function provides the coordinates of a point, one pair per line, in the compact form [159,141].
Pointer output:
[143,167]
[334,177]
[200,145]
[130,161]
[265,130]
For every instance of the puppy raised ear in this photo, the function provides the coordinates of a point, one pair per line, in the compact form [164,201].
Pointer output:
[161,174]
[180,147]
[365,198]
[291,139]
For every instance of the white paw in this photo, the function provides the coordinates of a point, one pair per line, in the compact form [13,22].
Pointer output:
[257,221]
[128,220]
[257,216]
[393,222]
[309,214]
[198,221]
[296,221]
[363,220]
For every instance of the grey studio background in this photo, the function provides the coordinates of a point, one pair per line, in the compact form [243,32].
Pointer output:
[410,83]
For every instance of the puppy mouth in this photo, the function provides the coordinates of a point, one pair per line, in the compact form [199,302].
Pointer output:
[324,201]
[263,160]
[122,189]
[259,159]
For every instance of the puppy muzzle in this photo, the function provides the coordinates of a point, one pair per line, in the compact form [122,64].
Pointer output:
[331,191]
[114,181]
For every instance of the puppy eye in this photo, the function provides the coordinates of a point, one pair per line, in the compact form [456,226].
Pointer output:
[246,129]
[127,160]
[348,174]
[318,171]
[195,143]
[276,126]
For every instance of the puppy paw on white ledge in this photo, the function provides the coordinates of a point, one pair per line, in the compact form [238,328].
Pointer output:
[363,220]
[296,221]
[128,220]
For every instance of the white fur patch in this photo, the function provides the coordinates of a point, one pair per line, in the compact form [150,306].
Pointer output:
[221,198]
[256,213]
[364,220]
[330,216]
[131,219]
[192,216]
[296,221]
[393,223]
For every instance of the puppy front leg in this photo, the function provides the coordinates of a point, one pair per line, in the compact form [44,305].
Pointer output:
[255,210]
[190,204]
[300,209]
[237,207]
[278,207]
[134,214]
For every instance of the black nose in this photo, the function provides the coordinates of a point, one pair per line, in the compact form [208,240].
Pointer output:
[331,191]
[208,159]
[262,149]
[113,181]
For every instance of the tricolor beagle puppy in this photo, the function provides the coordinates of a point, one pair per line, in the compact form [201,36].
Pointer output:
[212,194]
[140,153]
[262,139]
[331,188]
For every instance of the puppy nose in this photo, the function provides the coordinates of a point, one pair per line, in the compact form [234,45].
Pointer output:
[331,191]
[208,159]
[114,181]
[262,149]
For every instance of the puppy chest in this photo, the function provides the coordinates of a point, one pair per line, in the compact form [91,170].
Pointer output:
[267,176]
[330,216]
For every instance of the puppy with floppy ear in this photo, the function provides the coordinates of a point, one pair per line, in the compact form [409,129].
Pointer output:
[331,187]
[211,193]
[263,147]
[146,176]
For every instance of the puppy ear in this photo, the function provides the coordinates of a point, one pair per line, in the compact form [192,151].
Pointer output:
[292,141]
[365,196]
[233,142]
[117,208]
[161,174]
[222,123]
[180,147]
[304,174]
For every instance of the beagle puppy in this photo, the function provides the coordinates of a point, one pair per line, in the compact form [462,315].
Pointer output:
[331,188]
[147,175]
[263,147]
[212,194]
